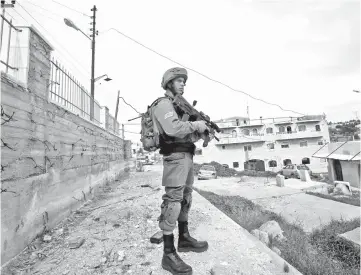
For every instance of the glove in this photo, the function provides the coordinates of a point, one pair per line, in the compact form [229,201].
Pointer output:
[211,136]
[200,126]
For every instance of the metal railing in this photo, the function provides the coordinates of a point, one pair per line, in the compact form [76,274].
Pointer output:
[65,90]
[7,49]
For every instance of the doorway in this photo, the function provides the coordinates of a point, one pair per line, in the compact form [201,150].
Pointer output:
[338,169]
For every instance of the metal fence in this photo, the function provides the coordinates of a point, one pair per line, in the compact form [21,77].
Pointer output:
[5,51]
[67,91]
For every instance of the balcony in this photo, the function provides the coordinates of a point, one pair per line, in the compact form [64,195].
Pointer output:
[241,139]
[224,125]
[298,135]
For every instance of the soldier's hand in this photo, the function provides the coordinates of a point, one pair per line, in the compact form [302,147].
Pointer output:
[200,126]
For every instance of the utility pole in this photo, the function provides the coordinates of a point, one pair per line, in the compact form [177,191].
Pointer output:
[116,111]
[92,99]
[123,131]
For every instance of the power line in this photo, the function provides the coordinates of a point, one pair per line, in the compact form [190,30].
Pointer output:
[43,8]
[51,18]
[51,36]
[70,8]
[201,74]
[131,132]
[129,105]
[20,15]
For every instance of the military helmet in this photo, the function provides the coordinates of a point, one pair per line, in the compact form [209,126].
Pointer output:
[173,73]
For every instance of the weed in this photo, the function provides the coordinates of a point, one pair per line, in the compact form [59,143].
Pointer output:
[354,199]
[310,254]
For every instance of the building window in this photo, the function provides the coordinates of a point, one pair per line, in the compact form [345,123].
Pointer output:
[235,164]
[282,129]
[287,162]
[198,151]
[223,147]
[270,145]
[272,163]
[248,148]
[320,142]
[246,132]
[285,145]
[305,161]
[289,129]
[302,128]
[318,128]
[269,130]
[323,160]
[237,122]
[134,151]
[234,133]
[303,144]
[254,132]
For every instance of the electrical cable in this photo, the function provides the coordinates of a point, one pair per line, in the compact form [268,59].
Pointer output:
[129,105]
[20,15]
[51,36]
[201,74]
[31,3]
[131,132]
[49,17]
[70,8]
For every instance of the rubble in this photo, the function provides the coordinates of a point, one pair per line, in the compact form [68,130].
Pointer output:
[273,229]
[47,238]
[76,242]
[230,172]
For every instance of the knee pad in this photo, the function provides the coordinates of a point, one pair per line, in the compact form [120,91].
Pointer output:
[169,215]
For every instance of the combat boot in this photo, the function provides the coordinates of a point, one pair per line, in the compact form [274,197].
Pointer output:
[186,243]
[171,260]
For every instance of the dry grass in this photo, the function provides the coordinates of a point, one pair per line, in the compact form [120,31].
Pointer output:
[301,250]
[354,199]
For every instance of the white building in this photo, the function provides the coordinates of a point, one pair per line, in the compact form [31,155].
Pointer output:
[344,161]
[267,144]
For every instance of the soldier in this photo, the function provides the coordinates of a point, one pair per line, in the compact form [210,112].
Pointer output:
[176,139]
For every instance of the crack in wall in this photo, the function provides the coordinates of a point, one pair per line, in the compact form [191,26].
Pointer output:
[8,117]
[7,145]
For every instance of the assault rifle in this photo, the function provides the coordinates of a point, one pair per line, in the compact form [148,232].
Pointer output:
[191,114]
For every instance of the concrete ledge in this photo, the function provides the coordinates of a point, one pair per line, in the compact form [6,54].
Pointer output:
[232,249]
[352,236]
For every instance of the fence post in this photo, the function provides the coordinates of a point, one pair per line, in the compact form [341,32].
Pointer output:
[7,56]
[2,30]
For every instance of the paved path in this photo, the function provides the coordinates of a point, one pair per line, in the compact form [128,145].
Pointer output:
[292,203]
[122,223]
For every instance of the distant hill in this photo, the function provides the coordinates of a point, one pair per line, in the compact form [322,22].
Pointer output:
[346,130]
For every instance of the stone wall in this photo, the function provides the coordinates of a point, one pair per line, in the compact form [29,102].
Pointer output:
[51,159]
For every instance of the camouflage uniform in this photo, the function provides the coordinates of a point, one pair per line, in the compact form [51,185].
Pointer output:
[177,166]
[176,139]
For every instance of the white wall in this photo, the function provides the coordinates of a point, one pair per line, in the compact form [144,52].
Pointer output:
[235,153]
[351,172]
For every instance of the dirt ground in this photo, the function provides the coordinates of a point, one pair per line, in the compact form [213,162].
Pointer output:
[110,235]
[110,231]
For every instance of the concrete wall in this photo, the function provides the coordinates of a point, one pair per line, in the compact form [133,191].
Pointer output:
[51,159]
[351,172]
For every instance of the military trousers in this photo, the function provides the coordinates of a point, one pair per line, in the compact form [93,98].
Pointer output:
[178,181]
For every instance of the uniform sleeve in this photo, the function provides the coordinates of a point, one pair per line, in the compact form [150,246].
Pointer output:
[168,119]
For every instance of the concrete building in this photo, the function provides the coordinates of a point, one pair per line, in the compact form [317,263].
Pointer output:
[343,161]
[267,144]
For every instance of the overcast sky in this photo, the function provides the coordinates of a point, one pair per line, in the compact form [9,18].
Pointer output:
[301,55]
